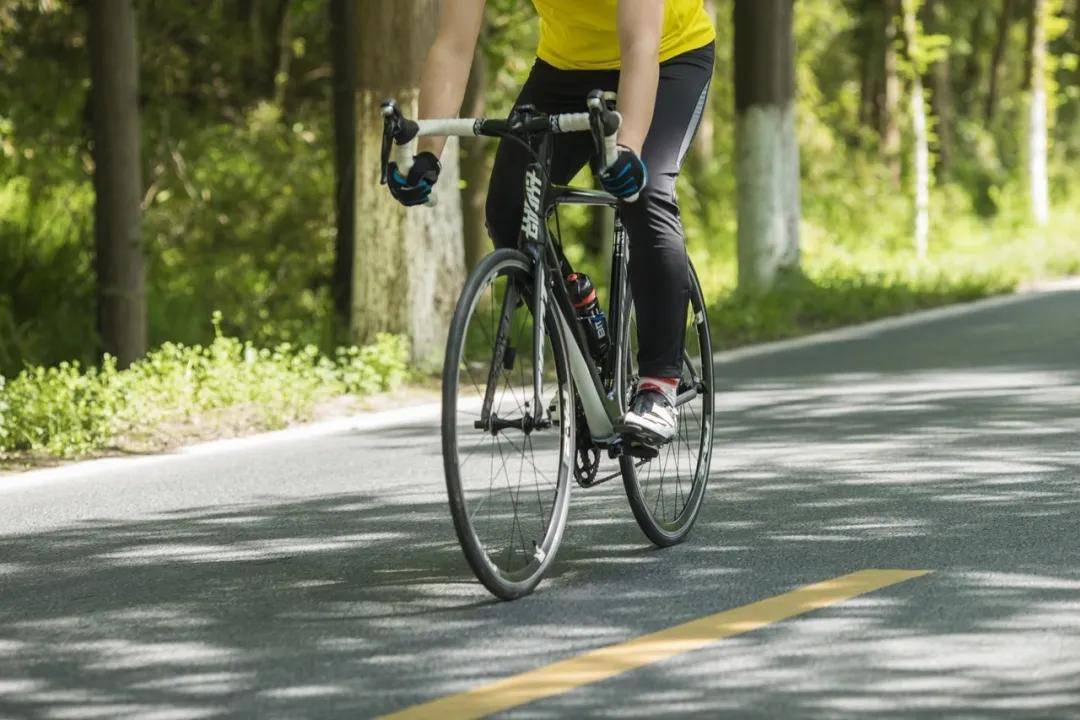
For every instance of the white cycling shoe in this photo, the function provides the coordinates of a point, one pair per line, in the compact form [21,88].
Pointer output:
[651,419]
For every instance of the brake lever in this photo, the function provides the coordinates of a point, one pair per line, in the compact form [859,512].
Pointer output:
[604,122]
[397,130]
[391,115]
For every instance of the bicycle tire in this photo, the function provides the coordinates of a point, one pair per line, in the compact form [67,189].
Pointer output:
[666,533]
[502,583]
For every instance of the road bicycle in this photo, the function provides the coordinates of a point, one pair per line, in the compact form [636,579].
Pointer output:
[526,403]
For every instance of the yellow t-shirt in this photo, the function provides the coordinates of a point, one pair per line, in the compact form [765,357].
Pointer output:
[582,34]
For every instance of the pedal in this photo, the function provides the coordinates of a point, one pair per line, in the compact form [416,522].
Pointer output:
[634,437]
[630,448]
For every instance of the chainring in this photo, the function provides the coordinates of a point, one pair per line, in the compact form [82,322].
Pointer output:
[587,457]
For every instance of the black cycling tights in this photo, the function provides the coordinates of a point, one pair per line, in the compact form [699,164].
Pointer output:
[659,274]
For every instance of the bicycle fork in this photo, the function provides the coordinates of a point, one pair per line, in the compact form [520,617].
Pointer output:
[504,355]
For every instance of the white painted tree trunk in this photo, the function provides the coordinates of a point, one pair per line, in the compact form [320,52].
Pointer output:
[1038,143]
[891,138]
[922,172]
[766,148]
[920,139]
[767,167]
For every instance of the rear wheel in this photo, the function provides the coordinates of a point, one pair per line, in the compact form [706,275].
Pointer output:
[665,492]
[507,467]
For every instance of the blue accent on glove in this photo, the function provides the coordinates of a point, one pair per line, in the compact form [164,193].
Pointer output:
[416,188]
[626,176]
[628,186]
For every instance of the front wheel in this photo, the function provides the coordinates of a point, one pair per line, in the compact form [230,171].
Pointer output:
[507,457]
[665,493]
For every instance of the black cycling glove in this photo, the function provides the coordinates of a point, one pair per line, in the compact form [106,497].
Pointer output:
[626,177]
[416,188]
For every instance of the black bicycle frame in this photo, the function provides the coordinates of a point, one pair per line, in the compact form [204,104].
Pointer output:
[595,385]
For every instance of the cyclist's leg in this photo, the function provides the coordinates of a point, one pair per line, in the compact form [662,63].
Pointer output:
[659,272]
[550,90]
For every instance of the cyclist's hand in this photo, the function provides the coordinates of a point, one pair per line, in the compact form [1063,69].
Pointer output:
[626,176]
[416,188]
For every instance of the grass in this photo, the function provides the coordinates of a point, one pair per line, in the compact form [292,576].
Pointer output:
[842,286]
[177,393]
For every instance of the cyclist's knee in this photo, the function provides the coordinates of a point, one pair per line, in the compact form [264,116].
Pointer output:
[654,213]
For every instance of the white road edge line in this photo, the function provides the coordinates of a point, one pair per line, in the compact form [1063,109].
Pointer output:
[429,412]
[919,317]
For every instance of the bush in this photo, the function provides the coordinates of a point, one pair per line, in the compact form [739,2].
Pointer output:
[844,284]
[67,411]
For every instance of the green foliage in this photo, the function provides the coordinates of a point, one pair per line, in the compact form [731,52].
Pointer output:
[239,186]
[842,285]
[241,218]
[68,410]
[61,410]
[239,179]
[45,246]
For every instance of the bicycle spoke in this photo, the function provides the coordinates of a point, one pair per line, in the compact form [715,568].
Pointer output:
[509,506]
[666,491]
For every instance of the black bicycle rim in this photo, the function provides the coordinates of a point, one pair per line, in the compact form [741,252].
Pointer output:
[666,493]
[508,487]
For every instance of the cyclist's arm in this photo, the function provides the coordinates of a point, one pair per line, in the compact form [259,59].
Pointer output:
[641,24]
[446,70]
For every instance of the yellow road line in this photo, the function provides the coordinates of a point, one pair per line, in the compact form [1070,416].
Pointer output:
[607,662]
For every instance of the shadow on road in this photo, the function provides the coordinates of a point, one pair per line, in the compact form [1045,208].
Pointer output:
[347,605]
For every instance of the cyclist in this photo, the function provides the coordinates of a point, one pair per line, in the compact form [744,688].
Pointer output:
[658,55]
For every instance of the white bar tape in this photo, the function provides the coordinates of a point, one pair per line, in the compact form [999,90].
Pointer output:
[449,127]
[572,122]
[611,150]
[403,156]
[580,122]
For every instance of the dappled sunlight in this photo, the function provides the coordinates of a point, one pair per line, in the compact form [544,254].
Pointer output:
[359,601]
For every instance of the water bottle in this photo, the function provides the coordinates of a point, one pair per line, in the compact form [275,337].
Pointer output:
[583,297]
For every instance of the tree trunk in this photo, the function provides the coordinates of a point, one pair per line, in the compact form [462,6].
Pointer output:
[942,95]
[343,58]
[942,105]
[890,116]
[1076,23]
[767,153]
[1008,8]
[870,40]
[919,134]
[1037,126]
[281,58]
[408,266]
[121,282]
[972,71]
[475,168]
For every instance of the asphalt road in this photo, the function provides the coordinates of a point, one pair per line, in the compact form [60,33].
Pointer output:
[319,576]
